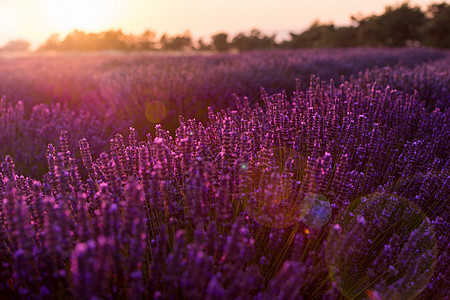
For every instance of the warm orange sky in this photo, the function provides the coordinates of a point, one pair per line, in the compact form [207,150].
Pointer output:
[36,20]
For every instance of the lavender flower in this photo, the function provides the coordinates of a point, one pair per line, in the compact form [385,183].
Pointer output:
[337,190]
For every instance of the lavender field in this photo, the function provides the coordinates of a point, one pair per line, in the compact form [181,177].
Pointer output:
[284,174]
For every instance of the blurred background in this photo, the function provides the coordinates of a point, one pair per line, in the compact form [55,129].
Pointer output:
[179,25]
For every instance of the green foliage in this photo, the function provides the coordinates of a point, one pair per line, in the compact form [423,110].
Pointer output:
[398,26]
[255,40]
[109,40]
[220,41]
[394,28]
[176,43]
[317,35]
[436,31]
[16,45]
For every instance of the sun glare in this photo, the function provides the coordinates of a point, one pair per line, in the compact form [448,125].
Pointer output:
[90,15]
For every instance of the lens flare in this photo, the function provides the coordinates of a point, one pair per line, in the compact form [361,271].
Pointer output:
[155,111]
[315,210]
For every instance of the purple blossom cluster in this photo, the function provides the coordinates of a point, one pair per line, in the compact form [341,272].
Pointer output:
[25,135]
[338,189]
[123,84]
[100,95]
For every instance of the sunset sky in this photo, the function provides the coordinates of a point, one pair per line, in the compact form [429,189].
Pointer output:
[36,20]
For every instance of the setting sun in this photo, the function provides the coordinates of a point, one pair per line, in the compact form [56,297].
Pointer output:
[82,14]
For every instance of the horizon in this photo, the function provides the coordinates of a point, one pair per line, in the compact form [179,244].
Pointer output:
[36,21]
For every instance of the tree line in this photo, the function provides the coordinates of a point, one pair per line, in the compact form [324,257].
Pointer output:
[403,25]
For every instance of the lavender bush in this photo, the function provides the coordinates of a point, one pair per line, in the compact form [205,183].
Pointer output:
[123,85]
[339,190]
[333,189]
[103,94]
[25,137]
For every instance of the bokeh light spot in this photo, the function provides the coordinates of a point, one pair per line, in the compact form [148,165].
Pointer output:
[315,210]
[155,111]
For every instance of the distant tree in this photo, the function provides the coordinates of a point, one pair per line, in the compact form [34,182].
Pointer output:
[395,27]
[52,43]
[74,41]
[165,42]
[436,30]
[202,46]
[317,35]
[109,40]
[176,43]
[255,40]
[115,40]
[241,42]
[146,40]
[181,42]
[343,37]
[398,26]
[220,41]
[16,45]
